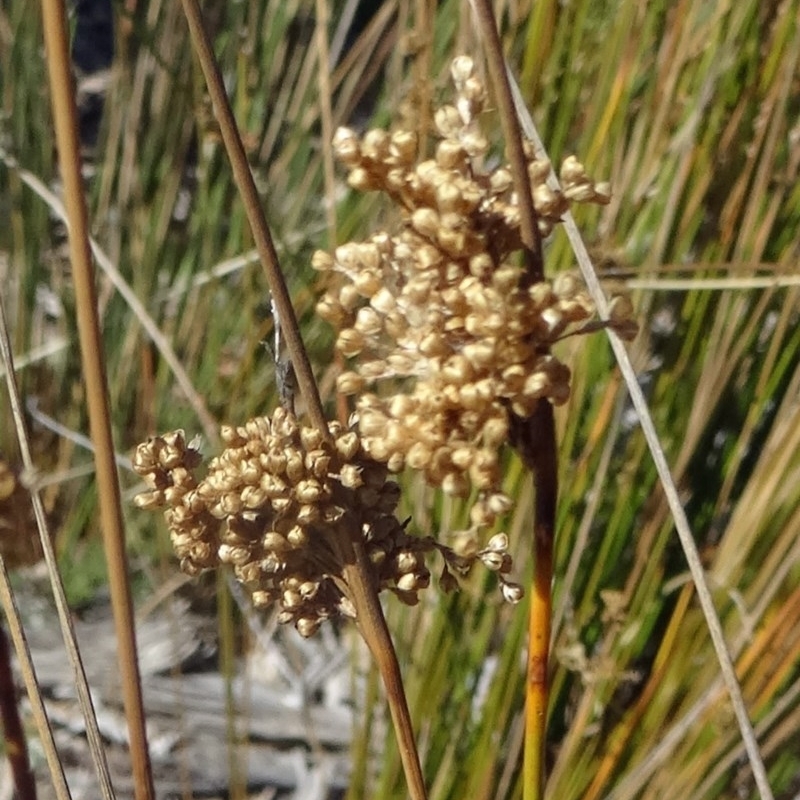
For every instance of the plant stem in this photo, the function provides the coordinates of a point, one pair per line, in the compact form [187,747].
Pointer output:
[255,216]
[374,630]
[537,448]
[91,344]
[512,132]
[46,739]
[357,574]
[16,747]
[534,437]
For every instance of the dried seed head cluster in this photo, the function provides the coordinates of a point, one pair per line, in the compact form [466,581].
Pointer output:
[272,505]
[439,301]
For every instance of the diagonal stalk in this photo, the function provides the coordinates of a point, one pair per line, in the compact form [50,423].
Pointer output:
[670,489]
[370,618]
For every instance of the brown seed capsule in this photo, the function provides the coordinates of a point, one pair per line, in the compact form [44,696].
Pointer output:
[347,445]
[346,146]
[363,180]
[403,147]
[418,456]
[297,536]
[307,626]
[382,301]
[318,463]
[572,171]
[396,462]
[262,598]
[321,261]
[295,468]
[455,484]
[350,476]
[512,592]
[450,155]
[347,608]
[350,342]
[426,222]
[375,145]
[367,282]
[408,582]
[309,491]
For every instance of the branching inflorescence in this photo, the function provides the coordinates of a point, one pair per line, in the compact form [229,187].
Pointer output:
[272,504]
[440,305]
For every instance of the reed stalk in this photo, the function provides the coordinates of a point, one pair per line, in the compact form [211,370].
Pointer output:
[91,343]
[368,611]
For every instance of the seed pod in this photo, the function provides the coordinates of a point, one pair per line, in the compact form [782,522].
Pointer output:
[275,542]
[572,171]
[375,145]
[350,342]
[309,491]
[363,180]
[450,155]
[491,560]
[295,469]
[382,301]
[297,536]
[455,484]
[426,222]
[253,497]
[377,555]
[350,476]
[371,423]
[512,592]
[403,147]
[367,282]
[262,598]
[408,582]
[602,193]
[498,543]
[347,445]
[346,146]
[396,462]
[448,121]
[307,626]
[347,608]
[232,554]
[307,514]
[418,456]
[321,261]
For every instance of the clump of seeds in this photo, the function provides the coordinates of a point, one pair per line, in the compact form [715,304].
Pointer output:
[272,505]
[440,304]
[440,301]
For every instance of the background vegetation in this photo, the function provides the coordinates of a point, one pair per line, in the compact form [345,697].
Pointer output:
[691,110]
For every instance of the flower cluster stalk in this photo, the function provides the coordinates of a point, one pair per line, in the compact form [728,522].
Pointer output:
[371,621]
[534,438]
